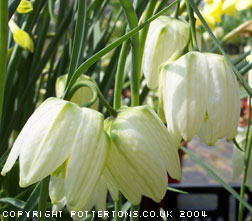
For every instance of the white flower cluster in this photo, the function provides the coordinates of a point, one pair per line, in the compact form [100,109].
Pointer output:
[132,152]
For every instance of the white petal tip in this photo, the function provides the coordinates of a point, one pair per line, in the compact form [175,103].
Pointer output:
[23,184]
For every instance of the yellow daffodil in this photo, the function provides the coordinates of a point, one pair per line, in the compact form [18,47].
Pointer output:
[214,9]
[229,7]
[21,37]
[24,7]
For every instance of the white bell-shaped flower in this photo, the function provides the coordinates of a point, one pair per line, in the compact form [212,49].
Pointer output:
[141,153]
[200,96]
[62,136]
[165,36]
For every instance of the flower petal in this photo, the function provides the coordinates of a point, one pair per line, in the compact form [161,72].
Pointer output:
[87,159]
[44,145]
[185,93]
[24,7]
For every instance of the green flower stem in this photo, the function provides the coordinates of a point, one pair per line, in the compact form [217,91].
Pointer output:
[3,48]
[240,57]
[144,32]
[120,73]
[160,6]
[248,128]
[51,11]
[118,205]
[192,25]
[136,61]
[177,9]
[88,84]
[134,208]
[95,90]
[85,65]
[40,43]
[238,75]
[246,164]
[44,191]
[78,37]
[106,104]
[245,69]
[135,71]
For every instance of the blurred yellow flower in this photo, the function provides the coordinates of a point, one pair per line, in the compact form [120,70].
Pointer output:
[209,20]
[229,7]
[21,37]
[24,7]
[243,4]
[213,10]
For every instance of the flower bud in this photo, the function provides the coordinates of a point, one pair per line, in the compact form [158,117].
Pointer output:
[141,152]
[165,36]
[200,96]
[24,7]
[21,37]
[81,96]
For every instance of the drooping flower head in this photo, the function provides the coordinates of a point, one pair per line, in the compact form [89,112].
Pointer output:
[165,36]
[62,139]
[24,7]
[141,154]
[21,37]
[200,96]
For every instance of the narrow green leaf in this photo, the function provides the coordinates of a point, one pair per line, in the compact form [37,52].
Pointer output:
[12,6]
[237,145]
[240,57]
[14,202]
[176,190]
[4,157]
[84,66]
[50,49]
[31,202]
[245,69]
[3,48]
[216,177]
[78,37]
[126,206]
[243,93]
